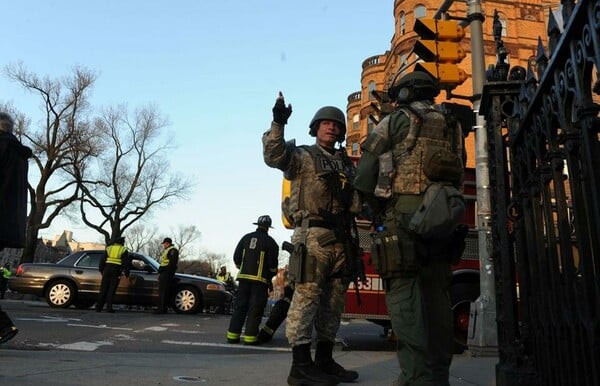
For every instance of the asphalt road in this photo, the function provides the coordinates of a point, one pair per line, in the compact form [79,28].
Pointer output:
[44,328]
[66,347]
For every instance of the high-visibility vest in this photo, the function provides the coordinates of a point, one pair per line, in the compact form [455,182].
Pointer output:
[114,253]
[164,259]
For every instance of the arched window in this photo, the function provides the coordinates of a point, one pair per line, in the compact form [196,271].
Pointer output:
[402,23]
[355,122]
[420,11]
[370,88]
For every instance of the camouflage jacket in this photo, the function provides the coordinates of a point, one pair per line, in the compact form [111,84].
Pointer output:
[311,169]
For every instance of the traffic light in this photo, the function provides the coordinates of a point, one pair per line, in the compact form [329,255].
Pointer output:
[439,48]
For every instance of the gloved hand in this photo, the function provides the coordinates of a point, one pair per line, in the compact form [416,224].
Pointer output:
[281,113]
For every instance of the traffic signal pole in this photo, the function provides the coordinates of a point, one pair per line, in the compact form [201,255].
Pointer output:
[483,335]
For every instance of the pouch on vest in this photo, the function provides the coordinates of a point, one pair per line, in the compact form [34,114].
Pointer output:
[443,165]
[386,175]
[440,212]
[393,255]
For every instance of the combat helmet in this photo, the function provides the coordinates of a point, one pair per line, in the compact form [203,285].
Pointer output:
[330,113]
[264,221]
[413,86]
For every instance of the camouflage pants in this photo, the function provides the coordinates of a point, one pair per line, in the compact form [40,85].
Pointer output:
[318,303]
[421,315]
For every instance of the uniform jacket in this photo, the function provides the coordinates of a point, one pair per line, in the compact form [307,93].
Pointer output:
[124,258]
[256,257]
[310,195]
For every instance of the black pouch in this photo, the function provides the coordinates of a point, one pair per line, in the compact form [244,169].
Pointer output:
[393,255]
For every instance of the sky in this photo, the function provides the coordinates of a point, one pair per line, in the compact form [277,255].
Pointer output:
[214,69]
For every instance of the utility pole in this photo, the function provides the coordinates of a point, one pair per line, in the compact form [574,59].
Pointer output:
[483,335]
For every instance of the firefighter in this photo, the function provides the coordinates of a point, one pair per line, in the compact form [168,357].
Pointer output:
[114,262]
[13,201]
[321,198]
[256,256]
[415,138]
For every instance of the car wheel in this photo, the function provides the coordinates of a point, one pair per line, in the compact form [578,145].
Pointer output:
[462,295]
[60,294]
[187,300]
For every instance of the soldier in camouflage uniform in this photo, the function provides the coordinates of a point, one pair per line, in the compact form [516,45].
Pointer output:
[321,189]
[416,274]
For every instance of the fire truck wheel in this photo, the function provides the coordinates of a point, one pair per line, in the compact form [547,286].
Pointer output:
[462,295]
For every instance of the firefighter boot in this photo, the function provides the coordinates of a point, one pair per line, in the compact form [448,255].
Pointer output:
[324,361]
[304,372]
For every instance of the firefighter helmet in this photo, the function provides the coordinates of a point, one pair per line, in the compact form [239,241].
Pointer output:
[264,221]
[329,113]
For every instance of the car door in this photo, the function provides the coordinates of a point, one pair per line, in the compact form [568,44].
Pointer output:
[85,272]
[143,280]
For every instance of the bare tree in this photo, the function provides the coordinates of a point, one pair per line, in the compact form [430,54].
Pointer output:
[63,140]
[214,260]
[184,237]
[132,176]
[140,236]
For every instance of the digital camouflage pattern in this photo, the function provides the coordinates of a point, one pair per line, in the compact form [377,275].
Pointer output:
[324,297]
[321,301]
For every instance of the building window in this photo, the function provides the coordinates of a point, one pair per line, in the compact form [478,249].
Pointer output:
[402,23]
[420,11]
[370,88]
[355,122]
[355,148]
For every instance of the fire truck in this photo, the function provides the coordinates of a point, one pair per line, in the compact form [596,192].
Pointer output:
[465,278]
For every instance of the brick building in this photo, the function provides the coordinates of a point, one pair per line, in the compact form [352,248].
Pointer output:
[523,22]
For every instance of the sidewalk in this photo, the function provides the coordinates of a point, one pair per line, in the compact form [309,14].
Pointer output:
[21,367]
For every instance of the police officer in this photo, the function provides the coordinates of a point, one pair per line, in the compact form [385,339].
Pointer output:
[321,191]
[225,277]
[13,201]
[256,256]
[416,274]
[114,262]
[166,274]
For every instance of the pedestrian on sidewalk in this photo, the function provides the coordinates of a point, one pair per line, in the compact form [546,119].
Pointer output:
[5,273]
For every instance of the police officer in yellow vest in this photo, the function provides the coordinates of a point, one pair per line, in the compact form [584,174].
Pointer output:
[416,272]
[166,273]
[115,260]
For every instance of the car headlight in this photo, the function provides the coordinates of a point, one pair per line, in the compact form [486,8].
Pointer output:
[215,287]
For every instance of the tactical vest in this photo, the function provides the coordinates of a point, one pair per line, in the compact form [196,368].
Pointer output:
[323,186]
[114,253]
[428,136]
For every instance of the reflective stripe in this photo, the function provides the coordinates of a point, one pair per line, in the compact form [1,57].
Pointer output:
[268,330]
[114,253]
[232,335]
[258,276]
[250,339]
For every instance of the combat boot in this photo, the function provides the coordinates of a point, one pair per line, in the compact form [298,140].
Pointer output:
[325,362]
[304,372]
